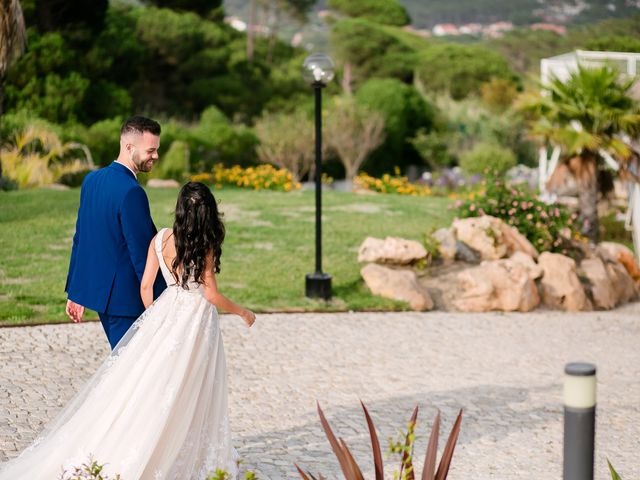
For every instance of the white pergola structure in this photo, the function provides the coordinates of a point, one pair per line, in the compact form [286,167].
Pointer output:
[561,67]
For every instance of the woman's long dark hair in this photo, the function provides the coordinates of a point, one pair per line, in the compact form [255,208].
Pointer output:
[198,231]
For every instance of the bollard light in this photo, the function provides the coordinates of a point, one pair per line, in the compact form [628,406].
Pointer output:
[318,70]
[579,420]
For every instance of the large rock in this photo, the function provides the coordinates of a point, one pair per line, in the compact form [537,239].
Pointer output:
[483,234]
[516,242]
[623,285]
[560,285]
[397,285]
[162,183]
[529,263]
[623,255]
[465,253]
[391,250]
[497,285]
[602,289]
[492,237]
[446,243]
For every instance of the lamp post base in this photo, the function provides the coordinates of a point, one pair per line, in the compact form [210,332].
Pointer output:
[318,285]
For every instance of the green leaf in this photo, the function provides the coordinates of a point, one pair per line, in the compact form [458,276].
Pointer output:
[445,461]
[614,474]
[375,445]
[429,469]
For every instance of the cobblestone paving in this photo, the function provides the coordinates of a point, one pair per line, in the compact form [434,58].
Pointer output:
[505,370]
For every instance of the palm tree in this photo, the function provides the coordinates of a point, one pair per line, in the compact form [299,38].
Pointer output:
[12,40]
[587,116]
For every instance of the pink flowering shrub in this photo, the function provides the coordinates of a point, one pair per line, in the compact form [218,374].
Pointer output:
[547,227]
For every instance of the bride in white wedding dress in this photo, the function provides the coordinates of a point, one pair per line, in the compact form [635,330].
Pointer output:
[157,407]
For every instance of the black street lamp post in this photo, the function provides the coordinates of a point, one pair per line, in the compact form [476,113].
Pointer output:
[318,70]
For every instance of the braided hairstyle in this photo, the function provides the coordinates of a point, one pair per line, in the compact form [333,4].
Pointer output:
[198,231]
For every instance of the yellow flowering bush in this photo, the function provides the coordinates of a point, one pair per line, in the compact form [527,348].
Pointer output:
[472,194]
[262,177]
[391,184]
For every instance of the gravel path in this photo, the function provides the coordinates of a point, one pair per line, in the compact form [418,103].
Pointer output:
[505,370]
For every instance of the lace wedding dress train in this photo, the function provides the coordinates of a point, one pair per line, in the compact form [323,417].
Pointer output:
[157,406]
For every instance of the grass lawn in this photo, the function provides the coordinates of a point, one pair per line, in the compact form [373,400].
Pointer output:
[269,247]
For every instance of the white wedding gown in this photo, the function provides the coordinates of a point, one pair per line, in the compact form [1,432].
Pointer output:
[157,406]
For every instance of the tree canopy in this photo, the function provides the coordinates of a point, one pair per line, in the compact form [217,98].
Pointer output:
[371,51]
[386,12]
[460,69]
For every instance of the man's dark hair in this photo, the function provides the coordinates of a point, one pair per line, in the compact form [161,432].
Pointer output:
[138,124]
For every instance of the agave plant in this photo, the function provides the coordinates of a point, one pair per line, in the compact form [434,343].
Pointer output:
[352,471]
[614,474]
[37,156]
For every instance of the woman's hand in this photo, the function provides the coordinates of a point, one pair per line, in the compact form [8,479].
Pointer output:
[248,316]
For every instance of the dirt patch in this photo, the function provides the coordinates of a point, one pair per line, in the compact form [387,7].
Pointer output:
[233,213]
[263,245]
[60,246]
[366,208]
[50,257]
[15,281]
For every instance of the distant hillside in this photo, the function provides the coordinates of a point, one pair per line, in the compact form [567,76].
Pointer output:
[427,13]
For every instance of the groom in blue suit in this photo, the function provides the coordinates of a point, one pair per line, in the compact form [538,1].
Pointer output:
[113,232]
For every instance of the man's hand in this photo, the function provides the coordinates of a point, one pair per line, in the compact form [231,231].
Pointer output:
[249,317]
[74,311]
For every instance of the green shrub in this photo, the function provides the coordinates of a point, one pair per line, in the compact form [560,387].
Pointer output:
[36,156]
[498,94]
[462,124]
[216,140]
[487,157]
[547,227]
[433,148]
[175,163]
[6,184]
[405,112]
[74,179]
[103,140]
[19,120]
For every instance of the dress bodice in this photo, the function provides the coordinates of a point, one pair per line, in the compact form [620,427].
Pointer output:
[164,268]
[166,272]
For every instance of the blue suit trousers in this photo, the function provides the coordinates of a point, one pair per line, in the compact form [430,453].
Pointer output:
[115,327]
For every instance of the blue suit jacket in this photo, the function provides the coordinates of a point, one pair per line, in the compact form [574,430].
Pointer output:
[113,232]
